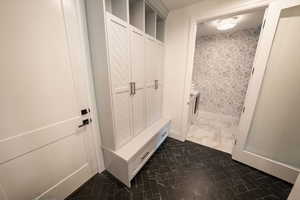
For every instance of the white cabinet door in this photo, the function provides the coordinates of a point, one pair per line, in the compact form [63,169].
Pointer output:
[154,62]
[43,152]
[150,61]
[154,101]
[160,63]
[138,78]
[139,111]
[118,43]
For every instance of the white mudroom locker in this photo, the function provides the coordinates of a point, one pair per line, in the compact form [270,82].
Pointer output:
[128,81]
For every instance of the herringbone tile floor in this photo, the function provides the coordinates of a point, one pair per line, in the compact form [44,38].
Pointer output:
[187,171]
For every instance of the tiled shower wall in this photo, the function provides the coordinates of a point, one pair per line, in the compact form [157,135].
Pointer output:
[222,68]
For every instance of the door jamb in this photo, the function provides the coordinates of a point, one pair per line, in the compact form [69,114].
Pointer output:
[88,78]
[248,7]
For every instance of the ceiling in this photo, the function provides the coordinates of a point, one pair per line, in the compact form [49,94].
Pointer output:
[175,4]
[248,20]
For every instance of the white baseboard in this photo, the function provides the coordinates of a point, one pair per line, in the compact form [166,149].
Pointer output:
[66,186]
[175,135]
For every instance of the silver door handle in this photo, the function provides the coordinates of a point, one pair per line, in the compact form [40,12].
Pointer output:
[131,88]
[134,89]
[156,84]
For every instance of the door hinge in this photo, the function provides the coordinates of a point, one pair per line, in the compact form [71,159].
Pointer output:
[253,69]
[85,111]
[244,108]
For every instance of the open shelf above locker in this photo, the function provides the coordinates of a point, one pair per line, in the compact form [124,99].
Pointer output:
[150,21]
[118,8]
[160,28]
[137,14]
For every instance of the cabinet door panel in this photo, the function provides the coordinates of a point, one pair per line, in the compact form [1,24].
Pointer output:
[138,59]
[138,77]
[122,118]
[118,42]
[139,111]
[160,63]
[150,58]
[154,100]
[157,103]
[150,94]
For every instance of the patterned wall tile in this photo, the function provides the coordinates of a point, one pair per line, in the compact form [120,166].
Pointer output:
[222,68]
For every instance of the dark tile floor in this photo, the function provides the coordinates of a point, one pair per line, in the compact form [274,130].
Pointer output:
[187,171]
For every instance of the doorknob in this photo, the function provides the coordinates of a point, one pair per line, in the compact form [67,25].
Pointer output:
[85,122]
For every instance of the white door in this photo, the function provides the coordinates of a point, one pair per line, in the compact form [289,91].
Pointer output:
[138,79]
[269,138]
[118,42]
[43,152]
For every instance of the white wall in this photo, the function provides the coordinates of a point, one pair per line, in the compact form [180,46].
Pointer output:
[177,40]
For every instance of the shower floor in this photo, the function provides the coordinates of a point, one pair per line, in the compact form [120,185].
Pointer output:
[214,130]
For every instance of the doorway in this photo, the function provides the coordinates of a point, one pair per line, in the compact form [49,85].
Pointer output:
[223,60]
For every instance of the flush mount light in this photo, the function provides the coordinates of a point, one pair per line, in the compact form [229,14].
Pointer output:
[225,24]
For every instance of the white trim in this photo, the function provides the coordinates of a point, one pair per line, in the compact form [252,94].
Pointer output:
[272,167]
[91,98]
[248,6]
[80,175]
[278,169]
[175,135]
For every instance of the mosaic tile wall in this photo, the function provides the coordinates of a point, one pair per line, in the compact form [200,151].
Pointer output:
[222,68]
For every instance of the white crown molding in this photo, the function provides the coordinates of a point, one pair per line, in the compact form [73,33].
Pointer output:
[159,7]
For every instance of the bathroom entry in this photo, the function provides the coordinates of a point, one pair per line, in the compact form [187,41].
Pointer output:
[224,53]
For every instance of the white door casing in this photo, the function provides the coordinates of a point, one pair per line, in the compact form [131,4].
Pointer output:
[120,72]
[42,93]
[272,56]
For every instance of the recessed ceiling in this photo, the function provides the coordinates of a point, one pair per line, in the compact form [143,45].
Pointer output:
[175,4]
[245,21]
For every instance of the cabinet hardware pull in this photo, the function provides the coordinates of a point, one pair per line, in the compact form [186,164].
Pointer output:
[131,88]
[164,134]
[134,91]
[156,84]
[146,154]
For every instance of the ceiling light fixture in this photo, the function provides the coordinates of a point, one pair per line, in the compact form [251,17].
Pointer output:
[225,24]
